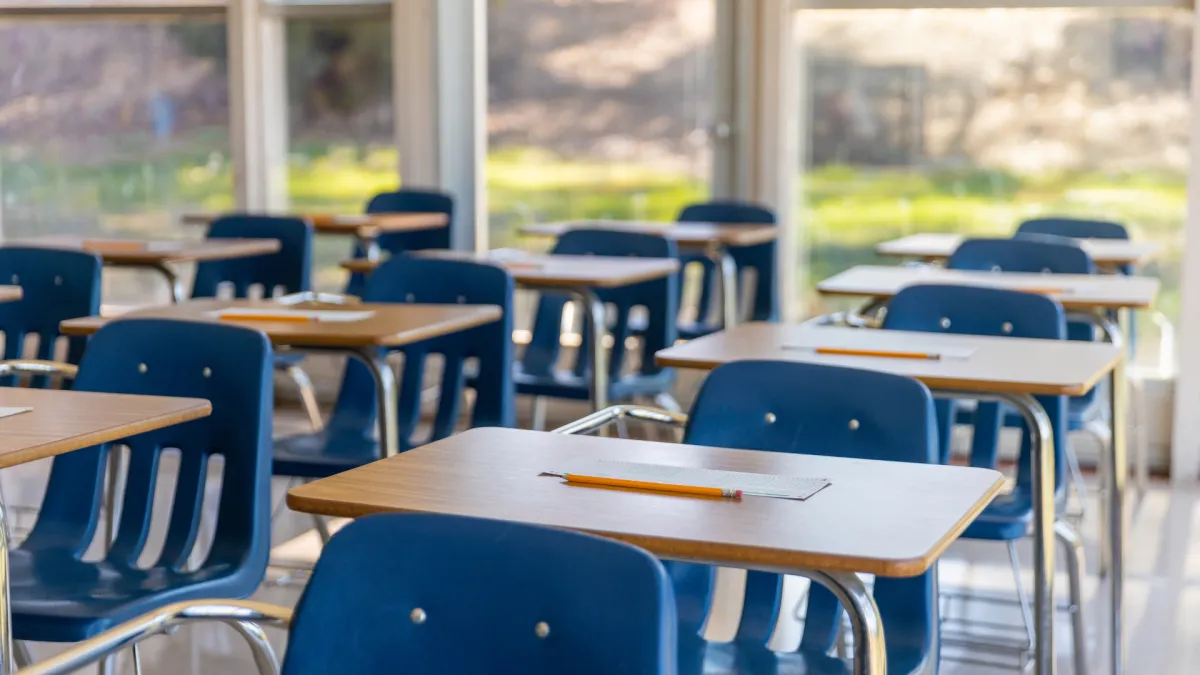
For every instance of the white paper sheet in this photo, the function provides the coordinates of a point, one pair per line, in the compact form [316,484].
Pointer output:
[8,412]
[754,484]
[318,315]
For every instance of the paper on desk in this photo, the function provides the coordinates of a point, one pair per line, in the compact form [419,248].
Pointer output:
[934,352]
[316,315]
[8,412]
[754,484]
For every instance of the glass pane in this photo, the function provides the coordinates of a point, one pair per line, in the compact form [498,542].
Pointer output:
[341,149]
[112,128]
[973,120]
[597,109]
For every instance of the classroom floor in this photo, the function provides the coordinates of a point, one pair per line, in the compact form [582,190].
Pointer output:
[1162,588]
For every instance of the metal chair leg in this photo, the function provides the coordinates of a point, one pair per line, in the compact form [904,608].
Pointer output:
[137,660]
[21,654]
[539,413]
[1072,546]
[308,396]
[1022,596]
[1077,481]
[322,528]
[108,666]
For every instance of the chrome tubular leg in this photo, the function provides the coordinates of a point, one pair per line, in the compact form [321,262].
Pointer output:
[1022,597]
[729,287]
[321,527]
[178,294]
[308,396]
[108,666]
[137,660]
[539,413]
[112,484]
[370,246]
[1072,546]
[599,325]
[21,654]
[387,394]
[1042,475]
[1116,499]
[870,655]
[6,641]
[260,647]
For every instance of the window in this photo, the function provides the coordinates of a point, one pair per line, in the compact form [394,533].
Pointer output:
[973,120]
[340,135]
[112,128]
[597,109]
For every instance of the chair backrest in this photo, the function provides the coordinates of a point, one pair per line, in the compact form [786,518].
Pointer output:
[449,595]
[977,310]
[822,410]
[231,366]
[1022,255]
[760,257]
[1079,228]
[288,268]
[56,285]
[413,201]
[658,296]
[406,279]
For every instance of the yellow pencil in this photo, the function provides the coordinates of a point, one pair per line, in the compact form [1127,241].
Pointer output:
[660,487]
[841,351]
[289,318]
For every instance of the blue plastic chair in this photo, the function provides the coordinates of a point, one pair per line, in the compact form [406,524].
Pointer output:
[349,439]
[813,407]
[760,258]
[56,285]
[59,597]
[288,270]
[537,372]
[976,310]
[406,201]
[1046,256]
[447,595]
[604,607]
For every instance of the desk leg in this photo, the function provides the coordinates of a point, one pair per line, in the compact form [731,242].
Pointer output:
[729,287]
[870,654]
[6,642]
[370,246]
[178,294]
[386,393]
[1042,477]
[1117,470]
[599,324]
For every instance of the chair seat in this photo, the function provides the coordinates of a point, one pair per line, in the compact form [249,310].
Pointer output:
[697,329]
[288,359]
[566,384]
[1008,517]
[724,659]
[322,454]
[58,598]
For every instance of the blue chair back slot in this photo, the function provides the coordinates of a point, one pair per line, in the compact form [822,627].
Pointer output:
[657,296]
[820,410]
[231,366]
[760,258]
[288,268]
[976,310]
[56,285]
[489,348]
[405,591]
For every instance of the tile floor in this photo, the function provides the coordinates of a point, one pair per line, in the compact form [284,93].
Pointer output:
[1162,597]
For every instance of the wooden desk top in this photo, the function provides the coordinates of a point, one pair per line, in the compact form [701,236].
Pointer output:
[10,293]
[884,518]
[555,271]
[995,364]
[939,246]
[685,233]
[1074,291]
[133,252]
[393,325]
[363,225]
[62,421]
